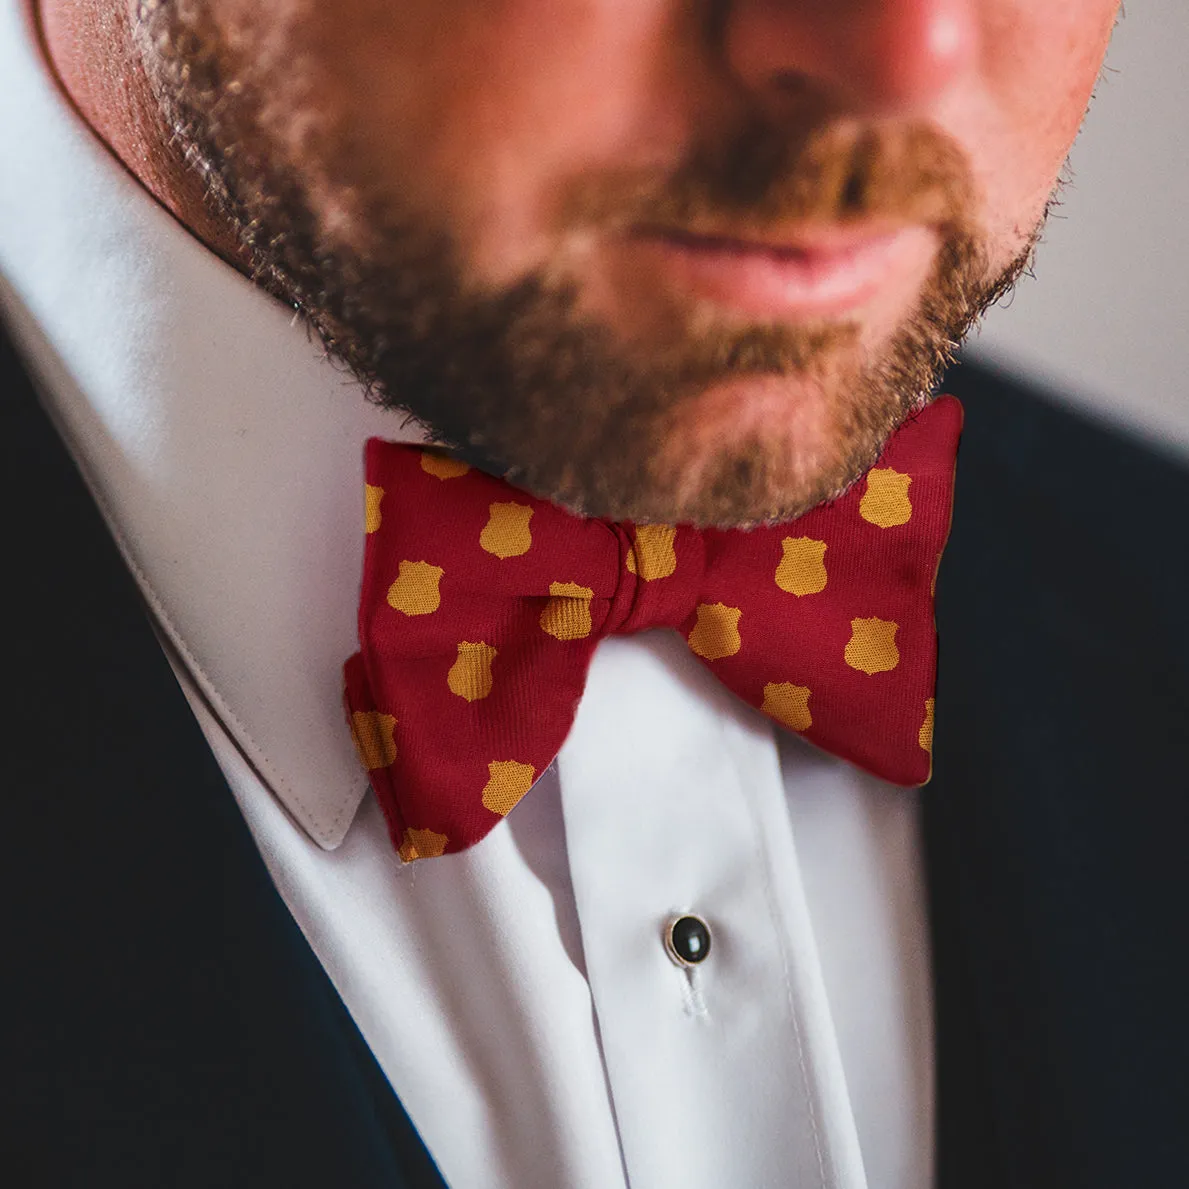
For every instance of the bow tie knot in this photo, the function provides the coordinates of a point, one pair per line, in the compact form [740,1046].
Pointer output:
[654,591]
[482,606]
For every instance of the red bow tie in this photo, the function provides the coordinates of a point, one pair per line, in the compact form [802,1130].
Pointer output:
[482,607]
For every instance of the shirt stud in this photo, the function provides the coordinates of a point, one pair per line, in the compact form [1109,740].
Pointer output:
[687,940]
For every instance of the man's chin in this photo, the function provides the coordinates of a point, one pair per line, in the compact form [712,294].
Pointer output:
[749,449]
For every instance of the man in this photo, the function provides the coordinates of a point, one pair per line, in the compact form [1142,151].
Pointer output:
[657,262]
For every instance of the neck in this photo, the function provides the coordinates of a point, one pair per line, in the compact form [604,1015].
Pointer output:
[89,45]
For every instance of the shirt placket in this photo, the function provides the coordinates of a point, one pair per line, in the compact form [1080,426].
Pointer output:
[723,1071]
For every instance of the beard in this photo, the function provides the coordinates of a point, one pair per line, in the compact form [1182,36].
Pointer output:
[522,380]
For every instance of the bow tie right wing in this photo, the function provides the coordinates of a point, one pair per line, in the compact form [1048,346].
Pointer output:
[480,610]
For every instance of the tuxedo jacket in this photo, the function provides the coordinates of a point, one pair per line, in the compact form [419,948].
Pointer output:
[164,1022]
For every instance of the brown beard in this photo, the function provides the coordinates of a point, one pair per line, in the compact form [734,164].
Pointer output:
[519,381]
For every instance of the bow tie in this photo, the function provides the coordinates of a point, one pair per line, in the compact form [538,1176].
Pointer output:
[482,606]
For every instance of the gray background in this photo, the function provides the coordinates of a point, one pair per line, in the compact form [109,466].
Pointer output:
[1106,320]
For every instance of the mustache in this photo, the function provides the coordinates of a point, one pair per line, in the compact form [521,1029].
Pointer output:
[767,176]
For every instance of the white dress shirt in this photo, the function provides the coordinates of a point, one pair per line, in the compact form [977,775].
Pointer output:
[518,995]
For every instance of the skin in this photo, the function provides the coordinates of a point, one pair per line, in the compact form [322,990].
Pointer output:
[488,115]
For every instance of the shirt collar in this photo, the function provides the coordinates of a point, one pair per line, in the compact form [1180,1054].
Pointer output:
[223,447]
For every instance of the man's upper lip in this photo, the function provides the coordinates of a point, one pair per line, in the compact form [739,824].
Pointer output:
[802,240]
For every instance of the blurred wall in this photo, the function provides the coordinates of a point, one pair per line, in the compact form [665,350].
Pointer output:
[1107,318]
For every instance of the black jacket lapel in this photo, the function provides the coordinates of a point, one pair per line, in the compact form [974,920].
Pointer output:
[164,1021]
[1059,810]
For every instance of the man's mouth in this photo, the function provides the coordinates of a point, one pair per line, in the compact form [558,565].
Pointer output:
[807,274]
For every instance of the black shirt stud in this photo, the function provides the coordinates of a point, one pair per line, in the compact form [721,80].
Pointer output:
[687,940]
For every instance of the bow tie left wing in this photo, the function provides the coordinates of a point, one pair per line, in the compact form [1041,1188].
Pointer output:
[826,623]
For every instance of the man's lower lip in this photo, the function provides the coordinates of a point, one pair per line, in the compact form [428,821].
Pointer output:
[785,283]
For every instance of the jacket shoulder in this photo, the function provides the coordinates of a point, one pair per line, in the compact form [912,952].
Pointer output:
[1078,524]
